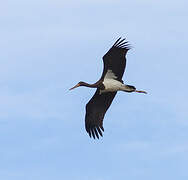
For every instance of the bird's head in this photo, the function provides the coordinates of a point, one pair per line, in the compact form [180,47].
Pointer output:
[81,83]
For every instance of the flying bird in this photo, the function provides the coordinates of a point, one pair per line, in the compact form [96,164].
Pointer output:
[107,86]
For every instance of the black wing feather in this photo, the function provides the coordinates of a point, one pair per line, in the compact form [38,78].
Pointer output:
[96,108]
[115,59]
[95,112]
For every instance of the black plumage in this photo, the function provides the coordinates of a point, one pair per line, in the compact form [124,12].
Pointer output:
[107,86]
[96,108]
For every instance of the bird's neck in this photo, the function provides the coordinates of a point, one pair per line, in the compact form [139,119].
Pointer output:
[95,85]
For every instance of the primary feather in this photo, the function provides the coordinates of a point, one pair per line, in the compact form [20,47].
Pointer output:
[114,66]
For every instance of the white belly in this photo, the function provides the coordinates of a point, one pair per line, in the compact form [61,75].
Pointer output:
[112,85]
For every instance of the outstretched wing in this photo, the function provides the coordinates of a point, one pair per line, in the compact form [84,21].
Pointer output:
[115,61]
[95,111]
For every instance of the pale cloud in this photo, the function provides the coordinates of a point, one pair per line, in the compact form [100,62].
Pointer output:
[47,46]
[154,149]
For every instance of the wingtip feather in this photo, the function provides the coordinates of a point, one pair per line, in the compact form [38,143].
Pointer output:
[121,43]
[93,133]
[117,41]
[96,133]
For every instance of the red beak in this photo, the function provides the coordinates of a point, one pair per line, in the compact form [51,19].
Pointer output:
[75,86]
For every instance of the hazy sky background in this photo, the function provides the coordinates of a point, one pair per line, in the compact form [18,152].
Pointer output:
[48,46]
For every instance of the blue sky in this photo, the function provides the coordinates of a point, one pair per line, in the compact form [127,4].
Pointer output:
[48,46]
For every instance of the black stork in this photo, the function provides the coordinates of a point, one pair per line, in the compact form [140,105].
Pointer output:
[108,85]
